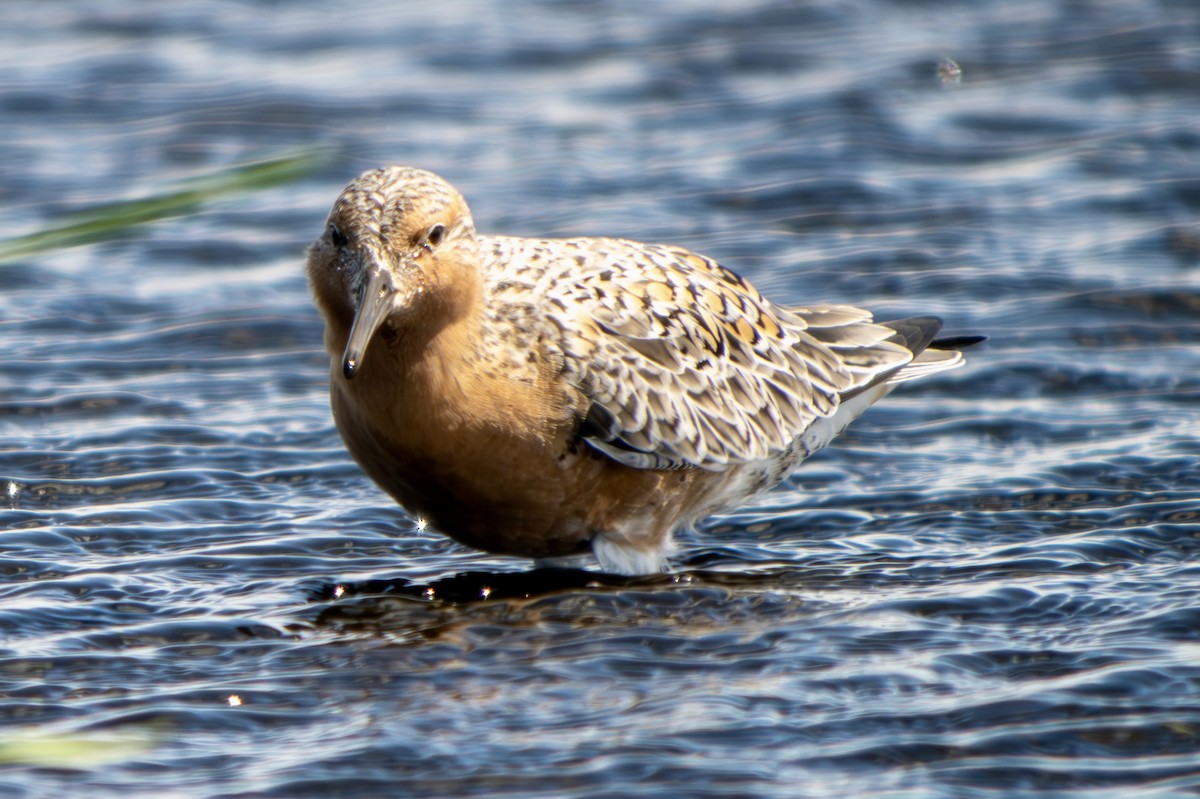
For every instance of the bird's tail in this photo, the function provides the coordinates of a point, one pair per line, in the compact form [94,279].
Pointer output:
[918,334]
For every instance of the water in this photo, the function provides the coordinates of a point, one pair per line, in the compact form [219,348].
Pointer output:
[990,588]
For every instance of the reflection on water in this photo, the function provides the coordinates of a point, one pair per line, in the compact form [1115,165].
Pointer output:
[989,588]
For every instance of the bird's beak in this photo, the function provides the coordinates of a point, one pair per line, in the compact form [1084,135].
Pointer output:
[372,311]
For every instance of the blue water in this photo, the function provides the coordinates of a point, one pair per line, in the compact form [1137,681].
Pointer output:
[990,587]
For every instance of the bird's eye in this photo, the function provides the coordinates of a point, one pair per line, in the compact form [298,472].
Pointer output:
[337,237]
[435,234]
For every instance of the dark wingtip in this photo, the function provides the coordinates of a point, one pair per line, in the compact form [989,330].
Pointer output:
[957,342]
[917,333]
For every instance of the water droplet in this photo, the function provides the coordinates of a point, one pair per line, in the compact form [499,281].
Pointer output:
[949,72]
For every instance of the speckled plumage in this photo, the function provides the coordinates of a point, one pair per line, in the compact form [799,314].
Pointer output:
[542,396]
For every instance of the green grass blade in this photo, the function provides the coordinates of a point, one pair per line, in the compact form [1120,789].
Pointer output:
[125,217]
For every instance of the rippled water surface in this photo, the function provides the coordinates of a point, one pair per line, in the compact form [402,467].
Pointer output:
[991,587]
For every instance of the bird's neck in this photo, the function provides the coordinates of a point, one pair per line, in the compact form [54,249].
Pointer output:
[421,358]
[454,375]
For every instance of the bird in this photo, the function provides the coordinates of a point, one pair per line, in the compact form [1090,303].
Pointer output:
[554,397]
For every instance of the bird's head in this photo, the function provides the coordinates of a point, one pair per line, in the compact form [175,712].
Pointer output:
[398,259]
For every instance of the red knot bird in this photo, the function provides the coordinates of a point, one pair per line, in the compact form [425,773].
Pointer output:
[547,397]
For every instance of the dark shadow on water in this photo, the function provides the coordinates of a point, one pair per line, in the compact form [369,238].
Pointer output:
[478,603]
[425,611]
[474,587]
[482,586]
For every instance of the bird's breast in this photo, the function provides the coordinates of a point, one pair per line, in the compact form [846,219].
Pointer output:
[487,460]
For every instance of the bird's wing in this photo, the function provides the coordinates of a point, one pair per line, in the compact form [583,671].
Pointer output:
[686,364]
